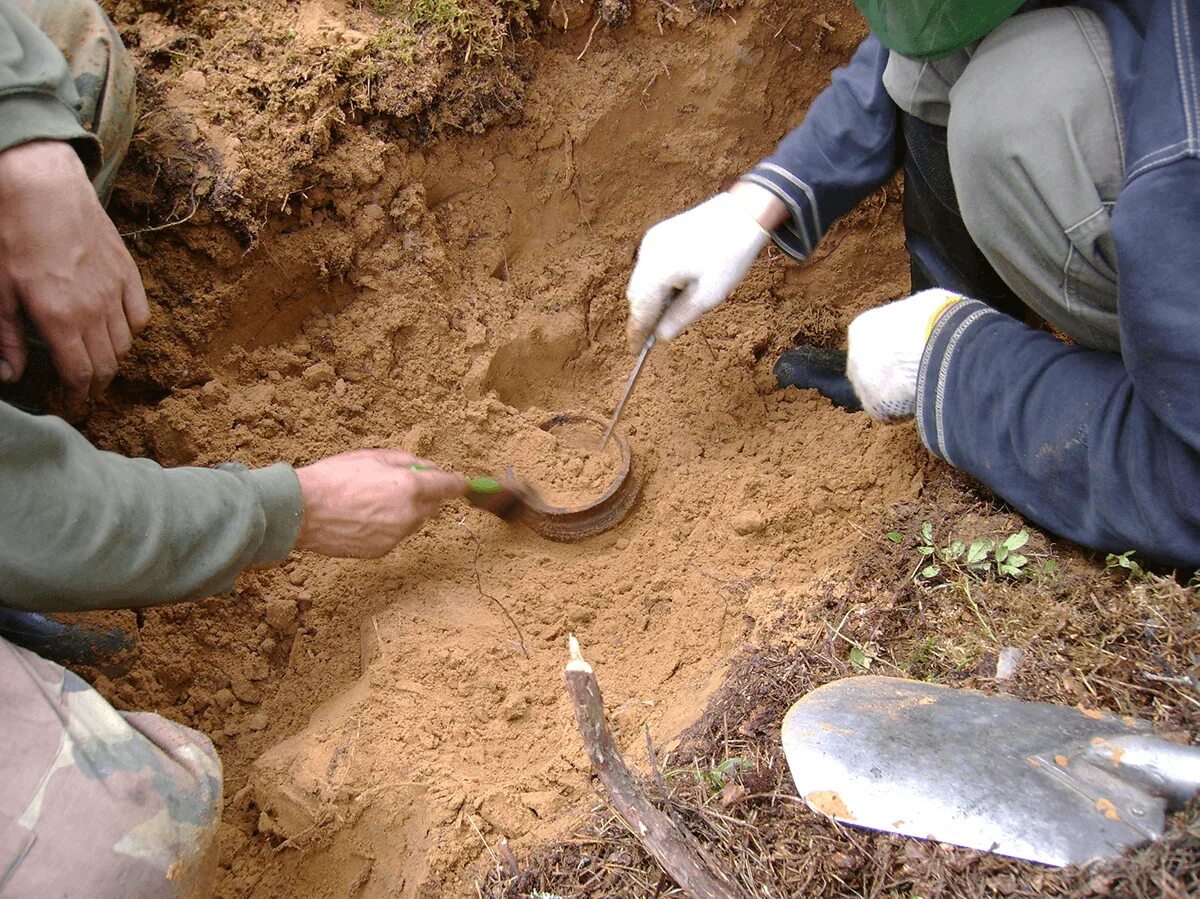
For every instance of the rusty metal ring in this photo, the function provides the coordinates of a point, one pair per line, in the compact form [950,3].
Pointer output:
[571,524]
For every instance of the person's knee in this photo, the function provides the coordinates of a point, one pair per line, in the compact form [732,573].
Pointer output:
[101,69]
[128,803]
[1030,92]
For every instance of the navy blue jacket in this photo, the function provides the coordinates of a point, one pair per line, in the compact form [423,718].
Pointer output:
[1101,448]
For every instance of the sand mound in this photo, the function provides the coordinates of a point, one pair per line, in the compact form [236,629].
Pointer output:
[377,718]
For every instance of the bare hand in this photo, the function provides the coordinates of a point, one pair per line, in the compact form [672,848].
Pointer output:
[363,503]
[63,262]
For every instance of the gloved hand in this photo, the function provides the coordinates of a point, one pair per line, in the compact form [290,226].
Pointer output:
[885,347]
[702,253]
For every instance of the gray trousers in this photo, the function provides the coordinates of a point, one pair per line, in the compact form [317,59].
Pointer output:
[1037,156]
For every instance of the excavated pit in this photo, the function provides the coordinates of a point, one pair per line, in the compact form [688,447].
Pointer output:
[445,297]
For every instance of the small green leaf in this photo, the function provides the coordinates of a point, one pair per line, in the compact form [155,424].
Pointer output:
[1007,570]
[1016,541]
[894,536]
[925,550]
[1016,560]
[927,532]
[1049,567]
[954,551]
[859,659]
[1001,553]
[978,551]
[931,571]
[729,765]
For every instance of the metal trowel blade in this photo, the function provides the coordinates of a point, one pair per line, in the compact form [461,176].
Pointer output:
[1030,780]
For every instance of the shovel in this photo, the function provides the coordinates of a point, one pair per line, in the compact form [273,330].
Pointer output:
[1029,780]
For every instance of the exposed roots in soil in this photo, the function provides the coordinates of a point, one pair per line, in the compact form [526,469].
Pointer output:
[484,594]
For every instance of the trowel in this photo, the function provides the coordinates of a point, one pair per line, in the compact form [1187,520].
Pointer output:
[1030,780]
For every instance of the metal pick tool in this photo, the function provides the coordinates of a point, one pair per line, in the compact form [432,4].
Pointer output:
[633,376]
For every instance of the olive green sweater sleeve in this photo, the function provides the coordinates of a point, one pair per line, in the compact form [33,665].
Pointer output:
[86,529]
[38,100]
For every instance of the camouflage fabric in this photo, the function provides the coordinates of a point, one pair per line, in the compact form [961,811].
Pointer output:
[96,802]
[101,70]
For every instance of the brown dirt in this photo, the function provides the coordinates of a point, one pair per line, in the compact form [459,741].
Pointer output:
[1093,642]
[332,269]
[563,463]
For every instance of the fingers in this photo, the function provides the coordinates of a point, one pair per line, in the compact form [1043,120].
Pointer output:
[133,300]
[73,363]
[14,350]
[85,347]
[682,312]
[429,483]
[650,288]
[102,355]
[119,334]
[436,486]
[398,458]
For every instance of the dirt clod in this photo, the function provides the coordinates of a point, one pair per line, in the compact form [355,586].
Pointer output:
[745,523]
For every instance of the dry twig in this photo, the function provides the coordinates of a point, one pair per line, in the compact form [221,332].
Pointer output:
[678,856]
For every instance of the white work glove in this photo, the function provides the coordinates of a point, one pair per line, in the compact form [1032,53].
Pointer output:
[702,253]
[885,350]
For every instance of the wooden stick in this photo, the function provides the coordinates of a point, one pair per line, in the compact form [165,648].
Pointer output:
[678,856]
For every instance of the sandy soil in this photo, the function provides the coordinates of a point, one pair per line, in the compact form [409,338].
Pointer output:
[443,291]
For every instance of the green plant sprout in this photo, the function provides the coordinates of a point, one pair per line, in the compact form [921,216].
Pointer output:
[1127,564]
[714,779]
[983,558]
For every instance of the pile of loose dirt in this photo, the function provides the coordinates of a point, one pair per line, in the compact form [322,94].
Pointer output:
[564,463]
[382,723]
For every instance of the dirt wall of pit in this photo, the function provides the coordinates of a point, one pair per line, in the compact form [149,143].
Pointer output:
[380,720]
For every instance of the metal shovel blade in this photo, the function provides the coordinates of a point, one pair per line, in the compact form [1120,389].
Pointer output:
[1030,780]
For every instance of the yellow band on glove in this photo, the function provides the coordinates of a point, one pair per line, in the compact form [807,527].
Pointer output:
[933,319]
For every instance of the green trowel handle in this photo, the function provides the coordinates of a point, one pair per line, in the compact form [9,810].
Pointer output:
[483,486]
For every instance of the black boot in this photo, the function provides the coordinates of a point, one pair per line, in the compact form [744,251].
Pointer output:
[819,369]
[68,644]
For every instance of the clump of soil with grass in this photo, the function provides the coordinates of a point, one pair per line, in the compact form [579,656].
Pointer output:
[411,226]
[238,100]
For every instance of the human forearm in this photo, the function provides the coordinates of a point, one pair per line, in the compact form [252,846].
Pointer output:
[763,206]
[88,529]
[844,149]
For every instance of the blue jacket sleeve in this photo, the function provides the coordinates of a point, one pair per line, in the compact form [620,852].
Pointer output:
[843,150]
[1100,448]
